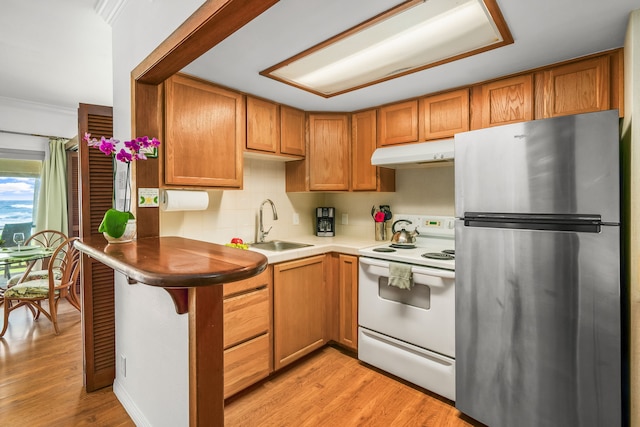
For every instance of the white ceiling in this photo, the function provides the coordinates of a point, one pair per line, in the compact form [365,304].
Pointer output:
[59,52]
[56,53]
[545,32]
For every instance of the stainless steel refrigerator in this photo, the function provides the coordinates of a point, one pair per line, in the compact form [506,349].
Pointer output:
[538,273]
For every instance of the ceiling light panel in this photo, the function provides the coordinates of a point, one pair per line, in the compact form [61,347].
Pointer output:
[411,37]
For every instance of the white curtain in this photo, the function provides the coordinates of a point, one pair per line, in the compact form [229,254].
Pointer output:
[52,203]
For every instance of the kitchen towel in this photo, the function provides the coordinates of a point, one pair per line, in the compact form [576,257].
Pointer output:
[400,275]
[179,200]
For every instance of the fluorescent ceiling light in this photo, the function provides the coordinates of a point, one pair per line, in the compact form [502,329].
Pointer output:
[416,35]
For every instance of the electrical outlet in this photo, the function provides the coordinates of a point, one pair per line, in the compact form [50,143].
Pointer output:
[345,219]
[296,218]
[123,365]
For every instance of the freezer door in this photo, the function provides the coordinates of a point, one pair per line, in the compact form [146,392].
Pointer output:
[538,339]
[562,165]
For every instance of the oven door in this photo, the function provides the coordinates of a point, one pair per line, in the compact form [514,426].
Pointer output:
[423,316]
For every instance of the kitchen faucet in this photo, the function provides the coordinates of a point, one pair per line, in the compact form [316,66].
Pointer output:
[261,233]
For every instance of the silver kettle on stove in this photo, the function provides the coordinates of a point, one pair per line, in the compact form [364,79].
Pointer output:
[403,237]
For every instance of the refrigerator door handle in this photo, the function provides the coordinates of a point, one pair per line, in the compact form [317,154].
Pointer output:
[551,222]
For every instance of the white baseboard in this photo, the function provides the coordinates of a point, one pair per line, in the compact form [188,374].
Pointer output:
[125,399]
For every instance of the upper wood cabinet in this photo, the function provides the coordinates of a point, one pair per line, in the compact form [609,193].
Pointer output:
[364,176]
[275,129]
[574,88]
[204,135]
[398,123]
[292,127]
[263,125]
[443,115]
[502,102]
[328,155]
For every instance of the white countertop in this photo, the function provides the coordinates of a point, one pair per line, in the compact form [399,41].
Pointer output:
[321,245]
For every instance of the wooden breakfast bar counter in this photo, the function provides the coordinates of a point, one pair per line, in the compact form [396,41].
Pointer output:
[190,271]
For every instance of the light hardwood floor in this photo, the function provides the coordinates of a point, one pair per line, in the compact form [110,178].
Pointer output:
[329,388]
[41,376]
[41,385]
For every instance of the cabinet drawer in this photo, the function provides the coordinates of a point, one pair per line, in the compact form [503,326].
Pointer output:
[245,316]
[242,286]
[246,364]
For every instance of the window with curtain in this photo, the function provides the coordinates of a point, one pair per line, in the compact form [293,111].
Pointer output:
[19,187]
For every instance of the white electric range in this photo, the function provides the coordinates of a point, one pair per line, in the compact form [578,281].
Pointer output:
[410,333]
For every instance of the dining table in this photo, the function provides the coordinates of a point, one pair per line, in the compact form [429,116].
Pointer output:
[28,255]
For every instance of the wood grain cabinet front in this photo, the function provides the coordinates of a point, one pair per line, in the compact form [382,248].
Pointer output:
[204,135]
[443,115]
[263,125]
[574,88]
[292,126]
[247,326]
[365,176]
[502,102]
[329,152]
[299,308]
[398,123]
[348,301]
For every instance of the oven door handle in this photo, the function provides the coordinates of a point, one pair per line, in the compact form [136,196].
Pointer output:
[427,271]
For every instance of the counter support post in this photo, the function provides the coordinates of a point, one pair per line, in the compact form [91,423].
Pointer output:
[206,368]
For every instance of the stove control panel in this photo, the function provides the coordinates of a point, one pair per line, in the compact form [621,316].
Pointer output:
[429,224]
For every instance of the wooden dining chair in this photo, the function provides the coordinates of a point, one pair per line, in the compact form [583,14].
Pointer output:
[47,239]
[64,263]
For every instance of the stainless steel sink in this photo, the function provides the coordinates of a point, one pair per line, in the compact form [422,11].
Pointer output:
[278,245]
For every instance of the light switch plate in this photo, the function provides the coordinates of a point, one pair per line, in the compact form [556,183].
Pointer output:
[345,219]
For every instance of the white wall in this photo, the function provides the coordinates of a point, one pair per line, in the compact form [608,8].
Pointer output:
[33,118]
[149,333]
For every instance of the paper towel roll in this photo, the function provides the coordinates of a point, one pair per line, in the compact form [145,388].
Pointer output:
[179,200]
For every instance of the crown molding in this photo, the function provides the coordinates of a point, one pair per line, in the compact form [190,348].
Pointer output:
[35,106]
[109,9]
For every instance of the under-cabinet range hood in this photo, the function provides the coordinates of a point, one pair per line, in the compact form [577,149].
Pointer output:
[414,155]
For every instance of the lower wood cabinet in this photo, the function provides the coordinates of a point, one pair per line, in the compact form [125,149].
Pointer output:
[348,301]
[342,300]
[299,308]
[247,331]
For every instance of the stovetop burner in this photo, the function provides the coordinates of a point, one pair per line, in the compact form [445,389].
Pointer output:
[449,251]
[438,255]
[383,250]
[399,246]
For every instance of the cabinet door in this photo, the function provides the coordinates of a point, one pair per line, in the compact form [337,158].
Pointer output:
[503,101]
[348,300]
[442,116]
[263,125]
[298,307]
[328,152]
[579,87]
[363,144]
[398,123]
[205,133]
[292,126]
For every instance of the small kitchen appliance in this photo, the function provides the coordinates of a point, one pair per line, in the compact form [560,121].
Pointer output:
[325,222]
[410,333]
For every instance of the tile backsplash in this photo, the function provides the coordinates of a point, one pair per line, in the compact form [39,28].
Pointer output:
[234,213]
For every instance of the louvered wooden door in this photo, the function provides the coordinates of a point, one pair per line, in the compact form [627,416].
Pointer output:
[95,196]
